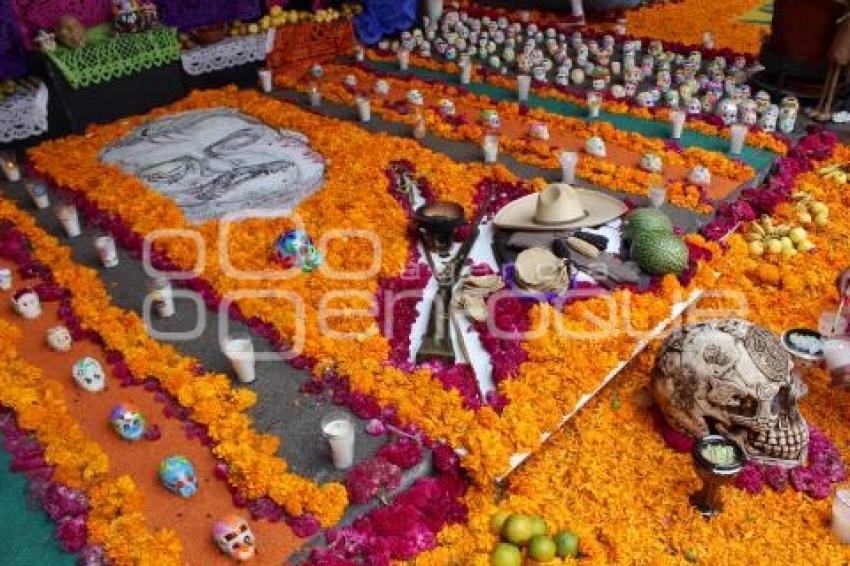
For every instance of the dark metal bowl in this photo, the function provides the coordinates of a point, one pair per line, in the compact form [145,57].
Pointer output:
[439,220]
[789,347]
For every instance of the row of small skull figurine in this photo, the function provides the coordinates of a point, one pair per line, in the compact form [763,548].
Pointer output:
[130,16]
[678,81]
[177,473]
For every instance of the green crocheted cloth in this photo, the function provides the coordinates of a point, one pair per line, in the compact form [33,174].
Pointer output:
[105,58]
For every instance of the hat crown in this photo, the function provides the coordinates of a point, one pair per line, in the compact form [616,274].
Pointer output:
[558,203]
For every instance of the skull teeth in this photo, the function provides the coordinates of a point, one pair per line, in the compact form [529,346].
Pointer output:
[787,443]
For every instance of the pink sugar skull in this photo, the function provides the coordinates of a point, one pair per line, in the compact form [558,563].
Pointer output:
[234,537]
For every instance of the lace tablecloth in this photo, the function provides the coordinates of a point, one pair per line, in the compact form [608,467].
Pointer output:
[23,114]
[229,52]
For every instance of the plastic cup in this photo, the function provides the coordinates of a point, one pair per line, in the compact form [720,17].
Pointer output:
[594,103]
[240,352]
[403,59]
[364,109]
[738,133]
[163,298]
[105,246]
[677,124]
[569,163]
[315,97]
[265,76]
[5,279]
[490,147]
[70,220]
[523,85]
[836,353]
[657,196]
[465,73]
[10,169]
[841,515]
[338,430]
[38,193]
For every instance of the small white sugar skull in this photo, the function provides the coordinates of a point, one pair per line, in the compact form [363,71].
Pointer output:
[451,53]
[671,97]
[537,56]
[656,48]
[663,80]
[630,89]
[499,36]
[749,115]
[490,118]
[695,58]
[551,33]
[562,77]
[539,73]
[494,62]
[608,42]
[595,146]
[561,56]
[645,99]
[523,63]
[350,81]
[618,92]
[381,87]
[234,537]
[679,76]
[491,47]
[538,131]
[89,375]
[582,54]
[547,64]
[447,107]
[415,97]
[26,303]
[700,176]
[767,121]
[633,75]
[727,109]
[651,162]
[509,55]
[59,339]
[694,106]
[647,65]
[577,76]
[575,39]
[787,119]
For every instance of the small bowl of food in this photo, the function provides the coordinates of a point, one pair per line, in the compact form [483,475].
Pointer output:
[804,344]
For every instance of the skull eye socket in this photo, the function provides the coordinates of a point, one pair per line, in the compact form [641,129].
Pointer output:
[745,407]
[780,400]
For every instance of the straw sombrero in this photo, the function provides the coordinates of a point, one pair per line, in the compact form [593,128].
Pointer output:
[559,207]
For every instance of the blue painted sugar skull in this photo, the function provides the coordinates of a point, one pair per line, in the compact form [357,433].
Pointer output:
[295,249]
[177,474]
[128,421]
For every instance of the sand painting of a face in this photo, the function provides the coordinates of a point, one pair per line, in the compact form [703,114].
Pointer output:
[220,162]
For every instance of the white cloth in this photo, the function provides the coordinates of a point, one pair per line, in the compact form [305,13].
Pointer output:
[229,52]
[23,113]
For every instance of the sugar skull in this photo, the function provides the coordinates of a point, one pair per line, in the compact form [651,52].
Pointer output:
[234,537]
[494,62]
[415,97]
[177,474]
[294,248]
[490,118]
[734,378]
[425,50]
[26,303]
[89,375]
[381,87]
[645,99]
[762,100]
[595,146]
[789,108]
[630,89]
[663,80]
[577,76]
[70,32]
[618,92]
[727,109]
[447,107]
[608,42]
[451,53]
[350,81]
[700,176]
[538,131]
[767,121]
[651,162]
[509,55]
[127,421]
[647,65]
[749,114]
[562,76]
[523,63]
[671,97]
[59,339]
[46,41]
[633,75]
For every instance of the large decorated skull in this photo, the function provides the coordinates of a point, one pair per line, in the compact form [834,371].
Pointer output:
[732,377]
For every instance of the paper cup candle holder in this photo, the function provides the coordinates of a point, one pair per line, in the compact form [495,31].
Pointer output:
[127,421]
[177,475]
[89,375]
[26,303]
[234,537]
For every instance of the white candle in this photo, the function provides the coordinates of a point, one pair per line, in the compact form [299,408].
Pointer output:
[339,432]
[315,97]
[403,59]
[708,40]
[265,76]
[10,169]
[841,515]
[70,220]
[465,73]
[359,54]
[490,145]
[569,162]
[738,134]
[364,110]
[240,352]
[162,297]
[620,27]
[836,353]
[594,102]
[677,123]
[657,196]
[38,193]
[105,247]
[5,279]
[523,85]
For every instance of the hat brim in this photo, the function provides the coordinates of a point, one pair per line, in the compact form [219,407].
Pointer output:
[600,208]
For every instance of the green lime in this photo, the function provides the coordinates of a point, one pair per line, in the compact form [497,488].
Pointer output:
[538,526]
[497,521]
[517,529]
[506,555]
[566,544]
[542,548]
